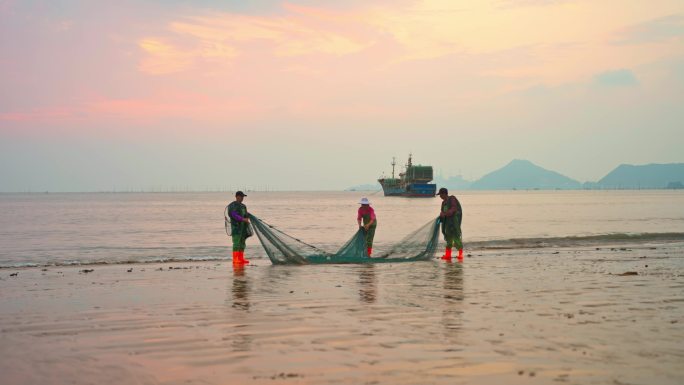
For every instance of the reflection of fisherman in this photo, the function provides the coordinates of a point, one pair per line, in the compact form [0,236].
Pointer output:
[239,227]
[451,216]
[453,282]
[452,309]
[367,214]
[368,290]
[241,340]
[240,288]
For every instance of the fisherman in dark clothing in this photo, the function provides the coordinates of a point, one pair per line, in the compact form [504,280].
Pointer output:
[239,227]
[451,216]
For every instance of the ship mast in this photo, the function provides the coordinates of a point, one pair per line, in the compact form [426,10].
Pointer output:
[393,164]
[409,162]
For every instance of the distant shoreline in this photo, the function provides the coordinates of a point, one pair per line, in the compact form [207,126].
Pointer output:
[314,191]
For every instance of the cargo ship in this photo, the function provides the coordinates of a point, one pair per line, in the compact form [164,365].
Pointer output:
[413,182]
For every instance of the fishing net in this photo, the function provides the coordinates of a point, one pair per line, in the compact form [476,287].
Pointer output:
[283,249]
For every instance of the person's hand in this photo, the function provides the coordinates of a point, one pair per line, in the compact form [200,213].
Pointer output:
[366,227]
[245,220]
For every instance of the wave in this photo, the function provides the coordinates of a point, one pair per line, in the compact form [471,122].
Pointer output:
[180,259]
[202,254]
[576,241]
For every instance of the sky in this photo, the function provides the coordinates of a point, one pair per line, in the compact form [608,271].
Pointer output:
[166,95]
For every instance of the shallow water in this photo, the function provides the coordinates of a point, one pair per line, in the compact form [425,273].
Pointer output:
[541,297]
[61,229]
[516,317]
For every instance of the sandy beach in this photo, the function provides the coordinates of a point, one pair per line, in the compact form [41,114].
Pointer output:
[604,315]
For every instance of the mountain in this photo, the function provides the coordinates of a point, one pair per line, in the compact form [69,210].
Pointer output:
[524,175]
[627,176]
[453,183]
[364,187]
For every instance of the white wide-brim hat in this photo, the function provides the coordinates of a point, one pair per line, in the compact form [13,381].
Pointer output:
[364,201]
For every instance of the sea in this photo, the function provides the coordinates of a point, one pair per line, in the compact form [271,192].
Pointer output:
[60,229]
[577,287]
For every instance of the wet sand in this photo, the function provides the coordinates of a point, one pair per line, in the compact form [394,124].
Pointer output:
[544,316]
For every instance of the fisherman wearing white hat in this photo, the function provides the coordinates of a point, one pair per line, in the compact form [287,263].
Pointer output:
[367,214]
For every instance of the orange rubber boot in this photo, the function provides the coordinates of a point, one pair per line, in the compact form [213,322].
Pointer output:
[236,257]
[370,251]
[460,255]
[447,254]
[242,257]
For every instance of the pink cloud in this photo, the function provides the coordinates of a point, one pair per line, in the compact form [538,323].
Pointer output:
[40,115]
[312,64]
[150,112]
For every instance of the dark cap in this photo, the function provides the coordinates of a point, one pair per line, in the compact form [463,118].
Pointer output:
[443,190]
[240,193]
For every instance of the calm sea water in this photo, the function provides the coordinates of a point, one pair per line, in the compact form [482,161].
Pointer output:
[91,228]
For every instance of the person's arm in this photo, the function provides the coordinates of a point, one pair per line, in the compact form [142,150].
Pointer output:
[371,214]
[358,217]
[236,216]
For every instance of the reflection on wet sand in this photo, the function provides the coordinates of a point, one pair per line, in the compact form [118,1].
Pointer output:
[453,282]
[452,310]
[368,288]
[240,288]
[501,318]
[240,341]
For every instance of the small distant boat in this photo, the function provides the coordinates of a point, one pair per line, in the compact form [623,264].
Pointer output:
[413,182]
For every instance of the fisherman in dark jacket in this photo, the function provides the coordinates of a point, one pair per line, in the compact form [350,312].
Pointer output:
[239,227]
[451,216]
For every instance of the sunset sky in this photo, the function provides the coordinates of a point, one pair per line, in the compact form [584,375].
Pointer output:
[320,95]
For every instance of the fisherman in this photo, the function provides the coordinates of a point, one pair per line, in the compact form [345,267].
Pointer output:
[451,216]
[367,214]
[239,227]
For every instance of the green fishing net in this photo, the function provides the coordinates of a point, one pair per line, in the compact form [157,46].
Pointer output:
[284,249]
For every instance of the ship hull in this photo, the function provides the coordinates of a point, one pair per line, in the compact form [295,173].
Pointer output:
[413,190]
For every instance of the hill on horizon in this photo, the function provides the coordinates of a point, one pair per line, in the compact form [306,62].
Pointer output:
[365,187]
[524,175]
[453,183]
[627,176]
